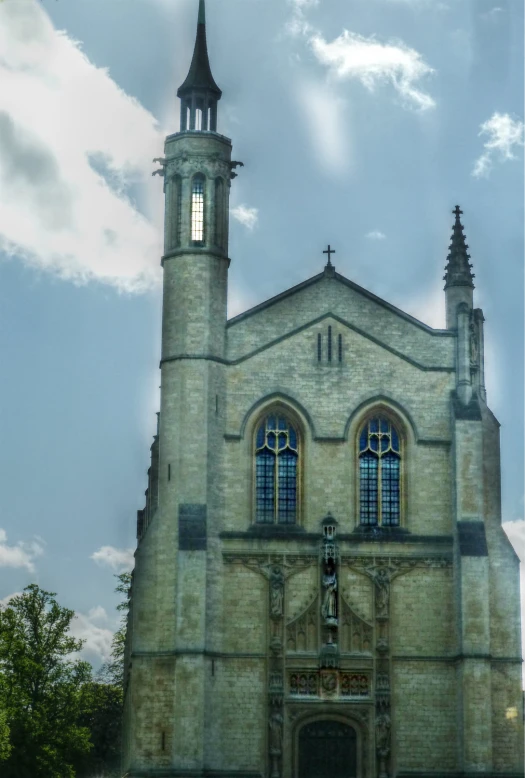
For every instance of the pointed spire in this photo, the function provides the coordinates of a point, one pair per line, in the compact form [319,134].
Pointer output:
[458,270]
[199,76]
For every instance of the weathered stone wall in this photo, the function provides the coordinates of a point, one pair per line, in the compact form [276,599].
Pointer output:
[424,705]
[423,613]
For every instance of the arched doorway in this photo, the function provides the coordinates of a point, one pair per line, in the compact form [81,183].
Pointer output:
[327,749]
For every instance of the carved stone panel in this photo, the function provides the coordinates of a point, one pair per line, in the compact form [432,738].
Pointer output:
[302,632]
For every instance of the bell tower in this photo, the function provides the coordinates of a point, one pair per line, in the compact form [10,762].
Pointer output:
[173,627]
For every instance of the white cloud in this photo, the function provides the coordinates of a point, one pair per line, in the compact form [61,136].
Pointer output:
[120,559]
[246,216]
[98,613]
[352,56]
[7,599]
[375,235]
[97,639]
[505,135]
[325,113]
[21,554]
[70,143]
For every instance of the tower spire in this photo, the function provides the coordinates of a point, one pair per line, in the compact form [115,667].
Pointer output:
[199,93]
[458,269]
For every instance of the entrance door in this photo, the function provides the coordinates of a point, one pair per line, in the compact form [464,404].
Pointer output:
[327,749]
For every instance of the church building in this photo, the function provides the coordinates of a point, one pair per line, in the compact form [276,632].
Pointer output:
[322,588]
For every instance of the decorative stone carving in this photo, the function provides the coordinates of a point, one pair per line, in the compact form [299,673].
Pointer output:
[383,741]
[301,632]
[329,606]
[354,685]
[275,723]
[328,683]
[381,576]
[186,165]
[276,592]
[355,634]
[304,684]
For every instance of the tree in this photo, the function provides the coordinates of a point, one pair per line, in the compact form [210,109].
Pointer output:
[41,688]
[113,671]
[5,745]
[103,699]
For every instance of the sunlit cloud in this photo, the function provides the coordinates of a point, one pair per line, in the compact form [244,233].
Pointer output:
[375,235]
[97,639]
[330,134]
[71,144]
[21,554]
[246,216]
[120,559]
[505,136]
[353,56]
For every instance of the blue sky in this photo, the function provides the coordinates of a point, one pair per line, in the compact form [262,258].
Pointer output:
[361,123]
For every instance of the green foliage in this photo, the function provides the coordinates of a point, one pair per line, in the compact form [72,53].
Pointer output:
[113,671]
[5,745]
[41,687]
[56,721]
[102,715]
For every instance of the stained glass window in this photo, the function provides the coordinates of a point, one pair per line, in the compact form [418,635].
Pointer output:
[379,474]
[276,465]
[197,209]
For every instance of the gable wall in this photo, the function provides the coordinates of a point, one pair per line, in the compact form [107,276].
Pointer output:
[328,295]
[327,399]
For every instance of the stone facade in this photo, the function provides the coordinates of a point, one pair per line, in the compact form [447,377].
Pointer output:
[236,645]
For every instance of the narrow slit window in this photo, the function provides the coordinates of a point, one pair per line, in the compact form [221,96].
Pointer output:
[340,347]
[197,210]
[329,343]
[319,347]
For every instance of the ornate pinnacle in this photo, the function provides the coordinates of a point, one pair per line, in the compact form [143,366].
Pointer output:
[458,269]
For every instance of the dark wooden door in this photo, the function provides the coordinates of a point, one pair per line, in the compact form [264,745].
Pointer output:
[327,749]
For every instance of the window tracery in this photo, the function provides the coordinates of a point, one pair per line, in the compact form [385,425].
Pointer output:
[379,473]
[276,471]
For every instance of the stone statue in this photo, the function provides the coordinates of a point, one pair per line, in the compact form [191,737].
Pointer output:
[383,734]
[329,606]
[275,723]
[382,579]
[276,591]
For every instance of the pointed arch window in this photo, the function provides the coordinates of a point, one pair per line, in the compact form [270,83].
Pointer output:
[197,209]
[379,473]
[276,471]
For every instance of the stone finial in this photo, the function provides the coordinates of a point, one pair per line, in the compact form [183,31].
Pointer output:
[458,269]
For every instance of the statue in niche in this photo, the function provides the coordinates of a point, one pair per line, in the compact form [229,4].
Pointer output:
[276,591]
[329,606]
[382,579]
[275,723]
[383,734]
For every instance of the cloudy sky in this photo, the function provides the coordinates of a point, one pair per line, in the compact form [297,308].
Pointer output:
[360,122]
